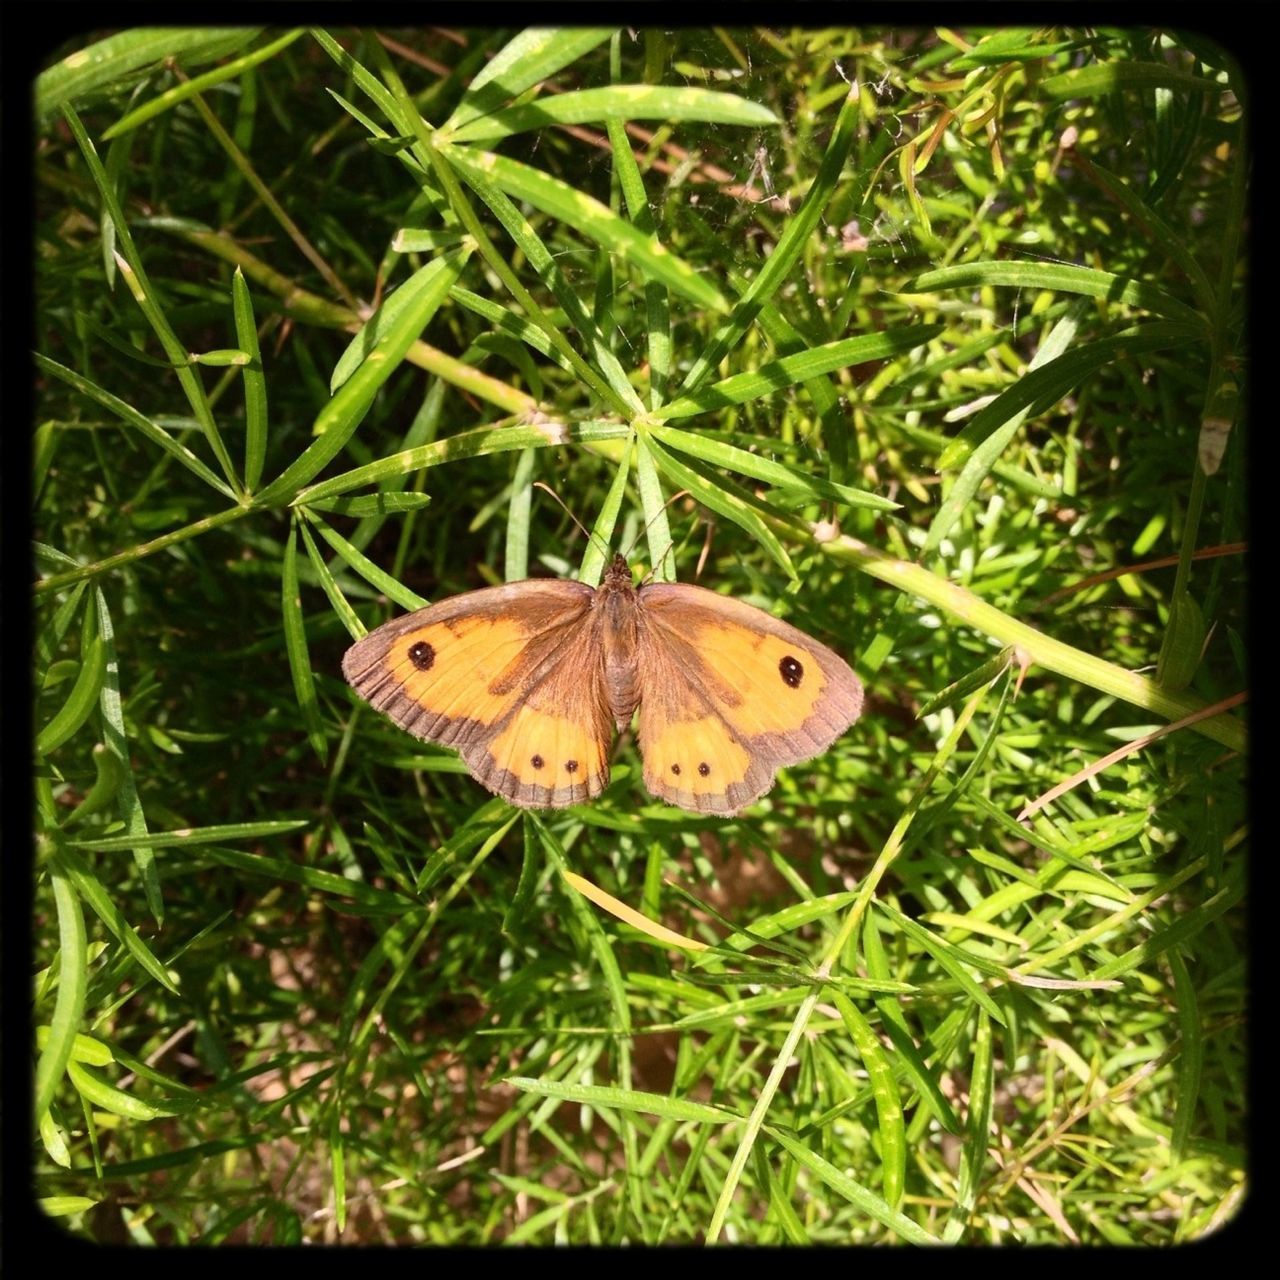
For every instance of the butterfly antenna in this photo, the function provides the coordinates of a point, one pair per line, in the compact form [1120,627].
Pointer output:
[675,497]
[586,533]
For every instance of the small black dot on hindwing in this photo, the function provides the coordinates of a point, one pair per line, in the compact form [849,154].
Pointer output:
[422,655]
[704,768]
[571,766]
[675,768]
[537,762]
[792,671]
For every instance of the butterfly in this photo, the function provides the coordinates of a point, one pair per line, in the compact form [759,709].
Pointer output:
[528,680]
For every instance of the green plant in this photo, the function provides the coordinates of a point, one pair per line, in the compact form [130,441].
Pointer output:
[316,320]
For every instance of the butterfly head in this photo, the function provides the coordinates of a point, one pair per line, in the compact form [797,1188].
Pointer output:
[617,577]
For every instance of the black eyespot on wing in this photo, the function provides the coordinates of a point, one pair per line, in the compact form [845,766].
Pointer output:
[704,768]
[422,655]
[792,671]
[675,768]
[537,762]
[571,766]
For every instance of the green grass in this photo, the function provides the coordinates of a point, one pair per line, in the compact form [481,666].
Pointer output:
[927,324]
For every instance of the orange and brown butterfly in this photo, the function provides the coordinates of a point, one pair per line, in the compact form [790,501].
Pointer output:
[527,680]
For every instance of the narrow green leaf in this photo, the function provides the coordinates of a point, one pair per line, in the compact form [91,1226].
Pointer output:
[599,1095]
[977,1137]
[722,454]
[534,55]
[893,1148]
[1113,77]
[99,796]
[786,254]
[386,503]
[588,217]
[90,889]
[338,420]
[791,370]
[85,1049]
[601,539]
[722,496]
[361,74]
[84,695]
[280,870]
[383,323]
[516,561]
[1183,643]
[88,70]
[295,641]
[193,836]
[894,1024]
[129,262]
[657,527]
[118,1102]
[511,323]
[198,84]
[253,380]
[345,612]
[479,442]
[620,102]
[73,982]
[953,959]
[61,1206]
[1061,278]
[116,740]
[1008,46]
[866,1202]
[378,578]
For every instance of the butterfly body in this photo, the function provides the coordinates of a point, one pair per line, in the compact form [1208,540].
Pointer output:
[527,681]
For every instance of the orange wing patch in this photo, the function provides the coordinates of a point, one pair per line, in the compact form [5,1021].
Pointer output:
[546,758]
[776,685]
[697,764]
[436,674]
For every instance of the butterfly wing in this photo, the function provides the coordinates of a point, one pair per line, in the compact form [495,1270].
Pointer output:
[510,676]
[729,695]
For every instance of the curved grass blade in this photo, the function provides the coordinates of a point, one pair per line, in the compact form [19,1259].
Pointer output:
[788,371]
[721,453]
[295,643]
[73,983]
[866,1201]
[338,420]
[722,496]
[617,102]
[534,55]
[84,694]
[86,71]
[1061,278]
[198,84]
[588,217]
